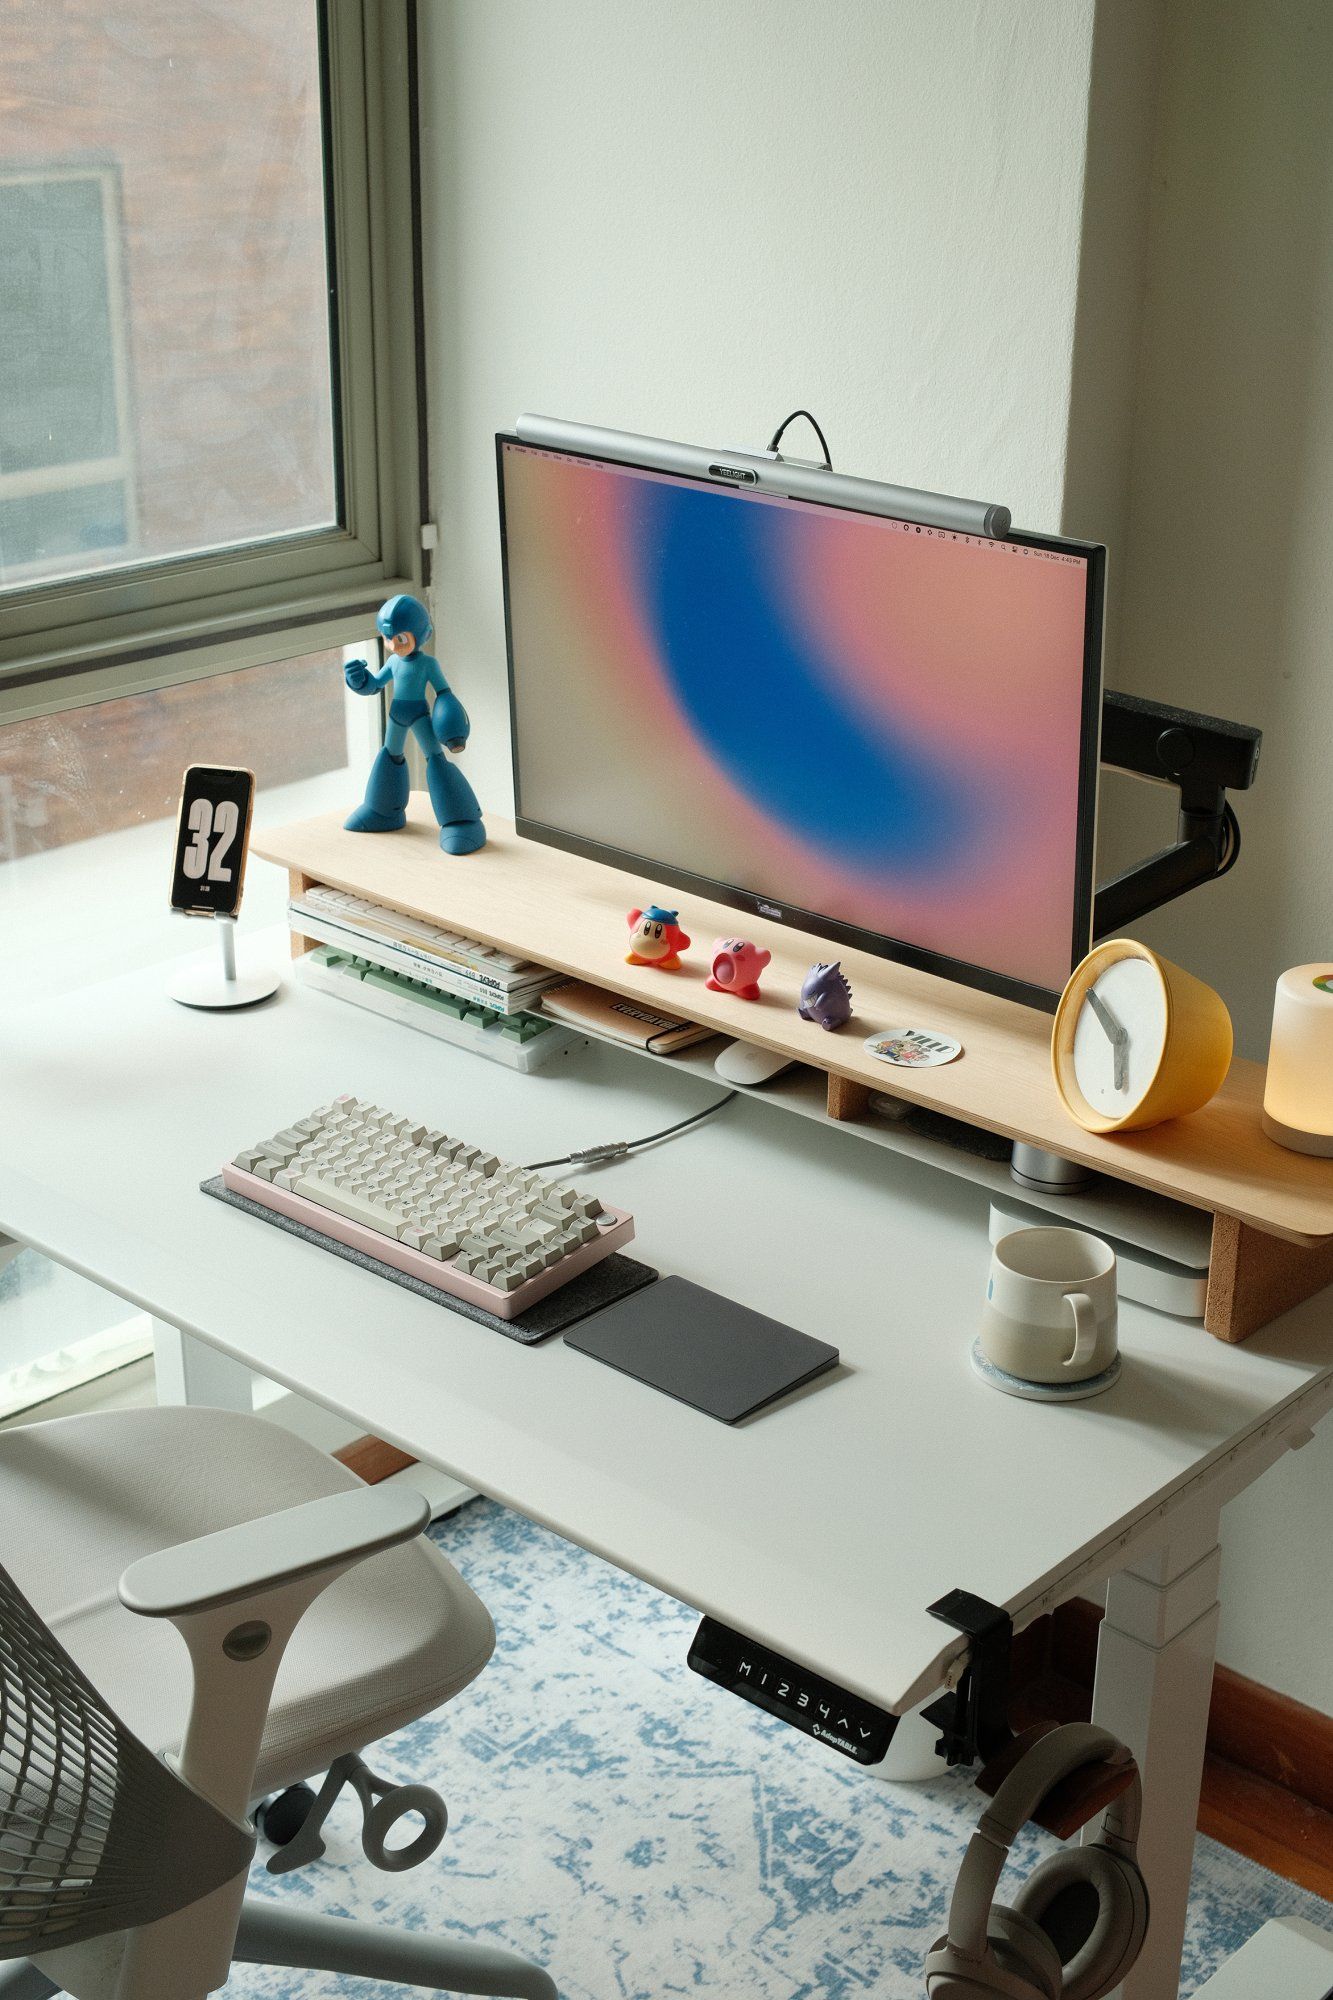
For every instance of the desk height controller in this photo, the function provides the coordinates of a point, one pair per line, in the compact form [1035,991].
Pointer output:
[823,1710]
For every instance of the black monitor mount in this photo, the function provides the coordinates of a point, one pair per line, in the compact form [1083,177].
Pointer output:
[1204,758]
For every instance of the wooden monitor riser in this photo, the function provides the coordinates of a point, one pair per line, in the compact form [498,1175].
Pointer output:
[1273,1210]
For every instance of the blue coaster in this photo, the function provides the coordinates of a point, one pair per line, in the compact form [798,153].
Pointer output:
[1042,1392]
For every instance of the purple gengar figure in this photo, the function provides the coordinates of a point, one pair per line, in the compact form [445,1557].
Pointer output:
[826,998]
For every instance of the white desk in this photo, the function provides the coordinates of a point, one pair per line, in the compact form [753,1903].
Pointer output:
[826,1526]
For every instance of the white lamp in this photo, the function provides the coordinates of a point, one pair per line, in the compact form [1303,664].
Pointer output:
[1298,1096]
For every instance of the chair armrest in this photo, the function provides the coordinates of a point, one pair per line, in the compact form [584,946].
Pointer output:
[273,1550]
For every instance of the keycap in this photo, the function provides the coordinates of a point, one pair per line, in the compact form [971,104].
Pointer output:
[347,1200]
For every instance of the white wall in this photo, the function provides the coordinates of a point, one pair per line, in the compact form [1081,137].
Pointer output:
[688,217]
[1228,607]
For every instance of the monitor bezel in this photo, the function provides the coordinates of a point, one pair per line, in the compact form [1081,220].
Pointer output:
[794,916]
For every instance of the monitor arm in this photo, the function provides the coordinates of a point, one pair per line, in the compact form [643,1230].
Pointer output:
[1203,757]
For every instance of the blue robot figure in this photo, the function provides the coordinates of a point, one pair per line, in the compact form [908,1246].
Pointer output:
[404,625]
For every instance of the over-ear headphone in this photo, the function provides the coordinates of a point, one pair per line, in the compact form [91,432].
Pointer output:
[1078,1923]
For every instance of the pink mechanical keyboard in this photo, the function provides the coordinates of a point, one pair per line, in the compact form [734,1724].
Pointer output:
[470,1224]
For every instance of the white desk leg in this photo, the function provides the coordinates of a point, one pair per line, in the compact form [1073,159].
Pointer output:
[188,1370]
[1154,1680]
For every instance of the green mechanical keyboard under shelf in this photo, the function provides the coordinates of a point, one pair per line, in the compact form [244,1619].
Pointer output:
[522,1041]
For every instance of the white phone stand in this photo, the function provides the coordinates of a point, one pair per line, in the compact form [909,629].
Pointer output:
[214,986]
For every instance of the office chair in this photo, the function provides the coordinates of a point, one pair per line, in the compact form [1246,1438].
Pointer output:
[315,1620]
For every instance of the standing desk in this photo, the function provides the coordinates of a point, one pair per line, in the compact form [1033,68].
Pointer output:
[823,1528]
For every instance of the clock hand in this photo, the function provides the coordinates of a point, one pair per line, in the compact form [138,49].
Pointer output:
[1117,1035]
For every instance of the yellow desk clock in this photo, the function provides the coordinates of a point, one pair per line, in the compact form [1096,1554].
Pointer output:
[1137,1040]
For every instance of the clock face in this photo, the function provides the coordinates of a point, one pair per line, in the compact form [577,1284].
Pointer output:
[1120,1036]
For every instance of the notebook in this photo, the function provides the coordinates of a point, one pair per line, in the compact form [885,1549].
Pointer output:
[620,1020]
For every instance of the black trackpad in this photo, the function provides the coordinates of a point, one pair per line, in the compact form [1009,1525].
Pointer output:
[702,1349]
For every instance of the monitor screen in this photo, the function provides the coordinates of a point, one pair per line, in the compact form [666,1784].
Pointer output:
[881,731]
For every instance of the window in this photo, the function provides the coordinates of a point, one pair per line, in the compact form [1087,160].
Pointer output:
[66,489]
[88,803]
[209,441]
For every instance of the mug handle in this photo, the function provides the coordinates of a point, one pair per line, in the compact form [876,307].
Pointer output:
[1085,1328]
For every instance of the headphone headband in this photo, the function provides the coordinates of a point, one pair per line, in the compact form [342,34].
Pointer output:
[1056,1756]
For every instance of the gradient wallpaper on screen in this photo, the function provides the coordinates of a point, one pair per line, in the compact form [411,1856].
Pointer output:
[869,720]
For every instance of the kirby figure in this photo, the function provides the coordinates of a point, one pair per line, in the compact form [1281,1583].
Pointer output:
[826,998]
[655,938]
[736,968]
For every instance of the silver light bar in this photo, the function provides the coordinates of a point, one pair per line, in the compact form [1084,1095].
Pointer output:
[765,472]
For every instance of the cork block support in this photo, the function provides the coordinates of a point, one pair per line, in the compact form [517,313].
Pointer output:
[847,1099]
[1252,1277]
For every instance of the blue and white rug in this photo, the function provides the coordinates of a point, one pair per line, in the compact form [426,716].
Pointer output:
[644,1835]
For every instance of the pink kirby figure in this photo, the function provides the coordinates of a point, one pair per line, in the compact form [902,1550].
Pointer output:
[737,965]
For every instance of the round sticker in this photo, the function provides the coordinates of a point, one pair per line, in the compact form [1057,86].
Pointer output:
[913,1048]
[1325,982]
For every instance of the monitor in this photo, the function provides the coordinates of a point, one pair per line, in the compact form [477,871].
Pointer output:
[878,729]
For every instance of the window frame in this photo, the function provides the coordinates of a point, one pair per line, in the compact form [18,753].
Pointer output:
[102,634]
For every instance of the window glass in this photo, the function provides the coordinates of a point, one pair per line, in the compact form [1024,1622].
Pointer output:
[166,382]
[88,804]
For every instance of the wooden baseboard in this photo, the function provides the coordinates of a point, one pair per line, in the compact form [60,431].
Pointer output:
[372,1460]
[1268,1776]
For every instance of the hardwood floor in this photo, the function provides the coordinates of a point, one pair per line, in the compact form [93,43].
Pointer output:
[1268,1776]
[372,1460]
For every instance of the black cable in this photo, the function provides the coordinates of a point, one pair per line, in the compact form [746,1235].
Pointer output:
[615,1149]
[813,422]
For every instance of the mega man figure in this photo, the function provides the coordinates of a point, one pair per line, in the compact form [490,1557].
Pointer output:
[404,625]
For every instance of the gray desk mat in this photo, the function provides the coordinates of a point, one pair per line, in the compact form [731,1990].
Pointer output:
[601,1285]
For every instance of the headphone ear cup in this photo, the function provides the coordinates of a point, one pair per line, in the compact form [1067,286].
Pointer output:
[945,1976]
[1024,1964]
[1023,1949]
[1092,1907]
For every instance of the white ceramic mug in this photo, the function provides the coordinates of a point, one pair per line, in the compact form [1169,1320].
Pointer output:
[1050,1311]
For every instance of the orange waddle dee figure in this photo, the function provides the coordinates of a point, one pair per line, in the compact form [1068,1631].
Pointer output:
[655,938]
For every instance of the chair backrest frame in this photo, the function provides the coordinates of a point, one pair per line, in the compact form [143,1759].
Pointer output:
[97,1834]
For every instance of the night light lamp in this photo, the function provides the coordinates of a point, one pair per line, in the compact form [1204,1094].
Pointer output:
[1298,1096]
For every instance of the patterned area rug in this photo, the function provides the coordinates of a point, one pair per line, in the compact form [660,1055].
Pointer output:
[644,1835]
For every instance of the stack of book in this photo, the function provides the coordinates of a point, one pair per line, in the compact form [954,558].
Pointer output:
[422,950]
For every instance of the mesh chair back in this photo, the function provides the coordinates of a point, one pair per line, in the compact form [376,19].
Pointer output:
[96,1833]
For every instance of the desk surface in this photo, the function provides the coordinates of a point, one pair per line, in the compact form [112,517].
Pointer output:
[824,1527]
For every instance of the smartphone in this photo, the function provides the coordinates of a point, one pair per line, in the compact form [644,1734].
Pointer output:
[212,837]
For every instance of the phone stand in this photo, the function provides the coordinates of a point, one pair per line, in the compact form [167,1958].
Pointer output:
[221,986]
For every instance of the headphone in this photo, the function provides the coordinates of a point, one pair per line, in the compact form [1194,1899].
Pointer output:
[1078,1923]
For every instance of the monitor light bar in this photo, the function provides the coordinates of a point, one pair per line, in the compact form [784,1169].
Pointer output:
[766,472]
